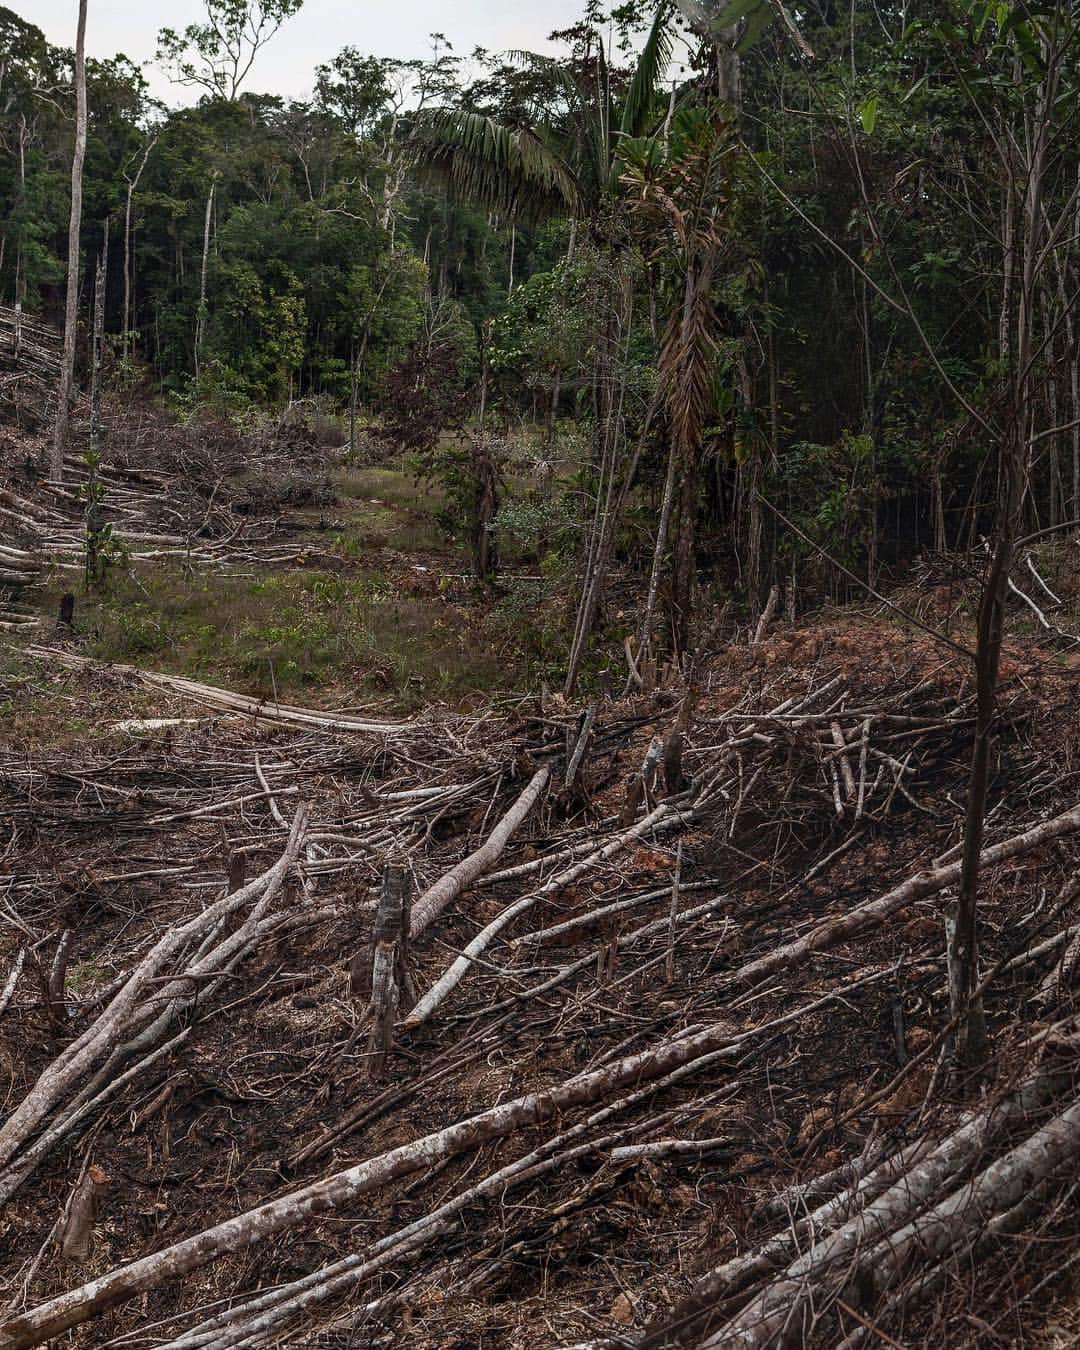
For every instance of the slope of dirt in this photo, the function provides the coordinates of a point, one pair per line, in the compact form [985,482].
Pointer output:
[117,834]
[679,922]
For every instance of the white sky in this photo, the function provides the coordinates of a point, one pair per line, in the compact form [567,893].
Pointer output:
[381,27]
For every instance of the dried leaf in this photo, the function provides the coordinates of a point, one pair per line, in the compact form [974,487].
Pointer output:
[622,1311]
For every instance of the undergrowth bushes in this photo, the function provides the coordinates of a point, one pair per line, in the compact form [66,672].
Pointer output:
[295,631]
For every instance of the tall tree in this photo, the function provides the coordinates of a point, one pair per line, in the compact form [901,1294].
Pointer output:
[678,191]
[564,160]
[218,55]
[71,310]
[1032,105]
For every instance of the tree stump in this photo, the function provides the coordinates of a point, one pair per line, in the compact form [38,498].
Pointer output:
[391,984]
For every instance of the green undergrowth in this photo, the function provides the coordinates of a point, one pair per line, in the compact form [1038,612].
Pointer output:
[383,611]
[394,506]
[386,507]
[318,636]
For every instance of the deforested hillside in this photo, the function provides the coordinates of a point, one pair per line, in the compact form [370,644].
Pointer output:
[539,676]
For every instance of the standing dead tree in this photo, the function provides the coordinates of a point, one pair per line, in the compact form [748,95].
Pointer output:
[132,181]
[71,309]
[1025,106]
[1027,165]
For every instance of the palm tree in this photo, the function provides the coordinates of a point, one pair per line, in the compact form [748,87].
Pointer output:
[678,189]
[564,164]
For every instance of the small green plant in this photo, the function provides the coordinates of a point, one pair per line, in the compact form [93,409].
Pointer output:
[85,976]
[105,550]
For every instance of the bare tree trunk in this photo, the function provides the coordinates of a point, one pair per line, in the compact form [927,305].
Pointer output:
[1073,354]
[683,569]
[98,344]
[352,399]
[132,184]
[991,629]
[644,632]
[386,975]
[594,582]
[556,387]
[553,406]
[200,317]
[609,498]
[71,311]
[1018,330]
[76,1234]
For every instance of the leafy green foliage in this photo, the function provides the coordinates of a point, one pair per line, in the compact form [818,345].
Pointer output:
[339,267]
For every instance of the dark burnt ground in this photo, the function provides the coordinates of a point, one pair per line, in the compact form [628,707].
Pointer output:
[601,1246]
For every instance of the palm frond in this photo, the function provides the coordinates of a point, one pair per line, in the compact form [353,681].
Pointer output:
[687,362]
[506,169]
[557,70]
[640,99]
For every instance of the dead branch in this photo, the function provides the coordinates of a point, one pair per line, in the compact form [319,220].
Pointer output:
[436,898]
[867,916]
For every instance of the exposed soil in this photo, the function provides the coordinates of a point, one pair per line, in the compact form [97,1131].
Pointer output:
[270,1087]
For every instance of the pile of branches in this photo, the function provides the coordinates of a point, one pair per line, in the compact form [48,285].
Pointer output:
[261,465]
[562,995]
[880,1237]
[202,492]
[30,355]
[150,514]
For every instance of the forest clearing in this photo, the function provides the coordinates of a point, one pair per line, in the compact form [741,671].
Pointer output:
[539,663]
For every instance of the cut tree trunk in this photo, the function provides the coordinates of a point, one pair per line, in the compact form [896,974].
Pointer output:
[436,898]
[77,1231]
[388,974]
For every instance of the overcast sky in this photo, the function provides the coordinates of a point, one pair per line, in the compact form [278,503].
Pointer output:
[322,28]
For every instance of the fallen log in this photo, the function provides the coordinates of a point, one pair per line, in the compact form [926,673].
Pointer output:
[134,1019]
[436,898]
[875,1203]
[265,1310]
[871,915]
[12,980]
[875,1268]
[997,1189]
[968,1248]
[210,696]
[663,817]
[672,1060]
[71,1309]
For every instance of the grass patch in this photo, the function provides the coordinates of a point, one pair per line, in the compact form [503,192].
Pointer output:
[44,705]
[86,976]
[320,636]
[388,508]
